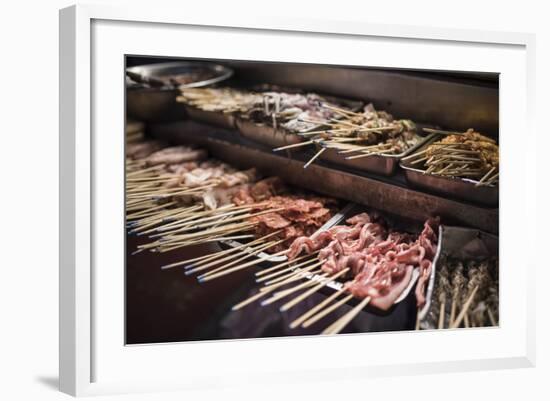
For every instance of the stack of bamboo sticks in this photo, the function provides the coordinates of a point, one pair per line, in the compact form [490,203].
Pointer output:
[359,135]
[464,155]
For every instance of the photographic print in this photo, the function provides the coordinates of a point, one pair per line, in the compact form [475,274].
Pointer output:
[272,199]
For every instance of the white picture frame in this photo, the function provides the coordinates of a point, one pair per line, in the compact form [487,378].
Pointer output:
[86,157]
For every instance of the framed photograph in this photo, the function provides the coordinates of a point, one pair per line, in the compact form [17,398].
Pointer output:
[280,199]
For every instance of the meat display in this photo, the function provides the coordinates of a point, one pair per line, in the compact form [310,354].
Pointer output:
[181,178]
[465,294]
[224,100]
[296,215]
[465,155]
[380,261]
[410,238]
[369,132]
[294,112]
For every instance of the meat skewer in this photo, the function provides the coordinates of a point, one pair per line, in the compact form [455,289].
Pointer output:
[251,252]
[267,290]
[370,237]
[306,294]
[337,326]
[464,155]
[465,277]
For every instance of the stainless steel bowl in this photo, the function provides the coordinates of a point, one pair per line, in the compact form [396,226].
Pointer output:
[151,96]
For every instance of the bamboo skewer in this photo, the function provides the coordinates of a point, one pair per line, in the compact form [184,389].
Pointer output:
[219,229]
[441,321]
[282,294]
[150,213]
[137,215]
[278,266]
[263,292]
[249,300]
[284,277]
[193,226]
[199,258]
[414,155]
[172,240]
[367,154]
[295,323]
[169,246]
[209,215]
[243,256]
[295,276]
[439,131]
[164,216]
[214,236]
[310,292]
[453,310]
[485,176]
[279,272]
[343,111]
[208,277]
[314,157]
[240,249]
[295,145]
[167,221]
[326,311]
[323,131]
[180,220]
[464,310]
[339,325]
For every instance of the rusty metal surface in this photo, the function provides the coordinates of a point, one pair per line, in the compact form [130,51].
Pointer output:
[386,195]
[459,103]
[154,105]
[223,120]
[265,134]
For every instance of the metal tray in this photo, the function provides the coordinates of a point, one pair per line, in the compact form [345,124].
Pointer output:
[155,103]
[379,164]
[462,188]
[222,120]
[276,137]
[459,243]
[265,134]
[266,257]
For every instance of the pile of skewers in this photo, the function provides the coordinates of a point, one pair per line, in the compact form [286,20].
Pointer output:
[223,100]
[179,197]
[358,135]
[465,295]
[271,221]
[467,155]
[178,188]
[377,264]
[290,111]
